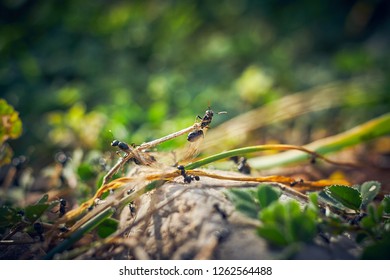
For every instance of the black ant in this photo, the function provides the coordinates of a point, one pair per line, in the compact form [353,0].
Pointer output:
[62,208]
[130,191]
[293,183]
[219,211]
[64,229]
[208,116]
[126,148]
[121,145]
[242,164]
[187,178]
[204,122]
[38,227]
[132,208]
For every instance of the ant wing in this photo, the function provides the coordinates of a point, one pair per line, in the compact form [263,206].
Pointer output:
[143,158]
[193,146]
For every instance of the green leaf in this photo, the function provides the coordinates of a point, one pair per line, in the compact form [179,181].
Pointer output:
[313,200]
[266,194]
[248,209]
[311,209]
[86,172]
[325,198]
[107,227]
[378,251]
[43,199]
[386,204]
[303,227]
[368,190]
[286,223]
[349,197]
[34,212]
[244,201]
[11,127]
[237,195]
[8,216]
[273,235]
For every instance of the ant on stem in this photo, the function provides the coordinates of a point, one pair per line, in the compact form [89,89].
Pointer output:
[187,178]
[62,209]
[204,123]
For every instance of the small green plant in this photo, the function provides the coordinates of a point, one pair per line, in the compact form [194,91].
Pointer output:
[13,220]
[334,210]
[251,201]
[10,128]
[286,223]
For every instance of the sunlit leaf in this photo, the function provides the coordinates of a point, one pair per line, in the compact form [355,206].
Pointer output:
[325,198]
[347,196]
[368,190]
[10,123]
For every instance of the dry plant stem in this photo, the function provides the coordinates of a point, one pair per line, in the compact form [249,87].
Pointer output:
[156,142]
[283,181]
[315,185]
[144,146]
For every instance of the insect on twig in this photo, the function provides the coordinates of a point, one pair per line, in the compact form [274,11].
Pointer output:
[199,132]
[139,156]
[204,123]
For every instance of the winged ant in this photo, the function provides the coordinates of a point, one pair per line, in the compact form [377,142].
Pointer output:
[204,123]
[195,135]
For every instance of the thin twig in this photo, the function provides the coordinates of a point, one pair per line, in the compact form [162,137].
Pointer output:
[137,151]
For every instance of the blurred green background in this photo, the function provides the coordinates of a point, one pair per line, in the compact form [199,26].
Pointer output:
[84,72]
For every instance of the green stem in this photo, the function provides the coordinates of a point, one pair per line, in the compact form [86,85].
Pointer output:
[231,153]
[362,133]
[367,131]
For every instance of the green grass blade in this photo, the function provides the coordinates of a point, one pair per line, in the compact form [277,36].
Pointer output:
[367,131]
[370,130]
